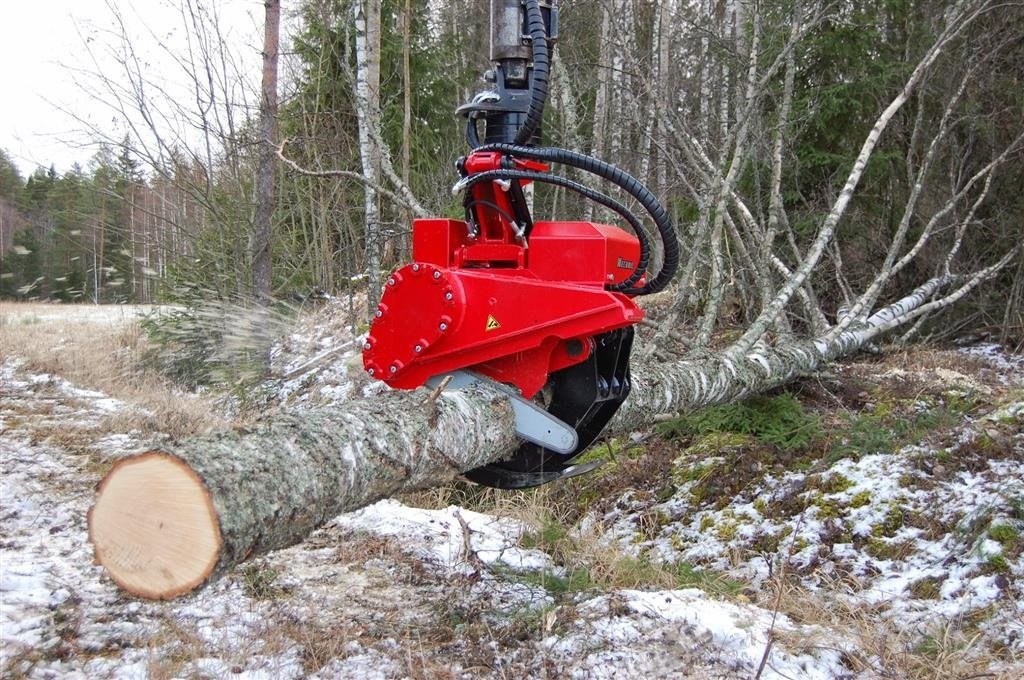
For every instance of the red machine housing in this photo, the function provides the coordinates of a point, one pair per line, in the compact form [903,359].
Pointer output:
[511,312]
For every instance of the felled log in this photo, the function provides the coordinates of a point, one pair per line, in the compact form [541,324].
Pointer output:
[169,519]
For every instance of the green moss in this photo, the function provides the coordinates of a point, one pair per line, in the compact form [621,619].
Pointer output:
[761,505]
[1004,534]
[827,507]
[706,522]
[884,549]
[890,425]
[572,581]
[861,499]
[892,522]
[834,483]
[688,576]
[996,564]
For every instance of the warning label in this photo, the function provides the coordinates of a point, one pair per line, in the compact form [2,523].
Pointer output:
[492,323]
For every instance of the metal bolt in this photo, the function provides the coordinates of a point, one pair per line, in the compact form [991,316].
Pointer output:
[379,313]
[448,295]
[391,282]
[417,349]
[415,267]
[367,345]
[443,326]
[370,371]
[437,275]
[394,369]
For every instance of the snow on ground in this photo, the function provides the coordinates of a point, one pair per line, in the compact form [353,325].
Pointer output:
[925,537]
[386,592]
[42,312]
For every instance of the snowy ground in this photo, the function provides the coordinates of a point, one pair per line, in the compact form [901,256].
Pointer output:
[394,591]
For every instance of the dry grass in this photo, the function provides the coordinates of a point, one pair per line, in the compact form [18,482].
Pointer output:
[942,650]
[102,352]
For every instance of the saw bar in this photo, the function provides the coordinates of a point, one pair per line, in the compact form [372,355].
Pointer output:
[532,422]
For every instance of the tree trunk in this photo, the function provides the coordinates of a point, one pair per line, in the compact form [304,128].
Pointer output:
[367,27]
[167,520]
[266,188]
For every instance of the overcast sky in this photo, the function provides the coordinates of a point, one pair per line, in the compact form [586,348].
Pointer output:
[40,38]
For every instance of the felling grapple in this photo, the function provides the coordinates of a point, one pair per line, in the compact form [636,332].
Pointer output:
[544,310]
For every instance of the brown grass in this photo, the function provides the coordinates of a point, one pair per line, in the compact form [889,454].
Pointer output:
[103,354]
[948,650]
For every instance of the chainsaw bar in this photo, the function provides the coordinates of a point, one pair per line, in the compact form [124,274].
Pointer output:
[585,396]
[532,422]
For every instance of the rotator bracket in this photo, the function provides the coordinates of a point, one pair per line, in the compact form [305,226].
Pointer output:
[532,422]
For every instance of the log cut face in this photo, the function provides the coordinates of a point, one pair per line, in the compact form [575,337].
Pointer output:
[154,526]
[165,521]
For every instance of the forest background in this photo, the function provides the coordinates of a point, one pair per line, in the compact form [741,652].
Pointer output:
[666,89]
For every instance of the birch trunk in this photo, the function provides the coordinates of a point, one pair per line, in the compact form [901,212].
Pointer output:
[168,520]
[366,15]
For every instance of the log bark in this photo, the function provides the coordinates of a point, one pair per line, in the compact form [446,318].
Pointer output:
[270,486]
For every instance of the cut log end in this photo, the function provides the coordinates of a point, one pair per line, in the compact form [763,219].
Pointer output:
[154,527]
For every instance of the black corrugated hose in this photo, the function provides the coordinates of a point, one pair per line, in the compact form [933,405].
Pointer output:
[606,171]
[625,286]
[629,184]
[539,95]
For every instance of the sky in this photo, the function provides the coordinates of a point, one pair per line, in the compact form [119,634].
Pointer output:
[48,45]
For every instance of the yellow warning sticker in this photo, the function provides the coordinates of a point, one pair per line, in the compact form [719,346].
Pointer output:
[492,323]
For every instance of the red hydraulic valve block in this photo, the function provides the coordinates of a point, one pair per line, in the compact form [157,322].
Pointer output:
[513,313]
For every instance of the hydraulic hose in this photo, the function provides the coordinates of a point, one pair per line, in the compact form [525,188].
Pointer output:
[625,181]
[539,91]
[625,286]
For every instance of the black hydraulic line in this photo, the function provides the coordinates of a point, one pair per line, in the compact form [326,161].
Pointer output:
[626,286]
[539,90]
[468,205]
[623,180]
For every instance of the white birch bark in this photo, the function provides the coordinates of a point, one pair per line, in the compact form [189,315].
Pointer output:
[366,18]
